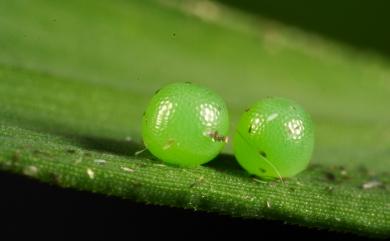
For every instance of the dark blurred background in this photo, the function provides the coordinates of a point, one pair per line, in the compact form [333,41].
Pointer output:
[361,24]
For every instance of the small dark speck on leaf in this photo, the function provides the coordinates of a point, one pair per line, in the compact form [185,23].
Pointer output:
[173,34]
[188,82]
[330,176]
[71,151]
[262,170]
[263,154]
[247,109]
[156,92]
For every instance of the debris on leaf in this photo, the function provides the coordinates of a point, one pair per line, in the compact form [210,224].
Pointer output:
[139,152]
[90,173]
[100,161]
[372,184]
[30,170]
[126,169]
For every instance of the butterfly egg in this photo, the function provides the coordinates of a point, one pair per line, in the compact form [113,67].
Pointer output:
[185,124]
[274,139]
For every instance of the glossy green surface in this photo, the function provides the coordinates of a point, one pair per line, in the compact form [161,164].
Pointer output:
[274,138]
[185,124]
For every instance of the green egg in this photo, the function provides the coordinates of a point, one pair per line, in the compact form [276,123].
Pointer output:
[274,139]
[185,124]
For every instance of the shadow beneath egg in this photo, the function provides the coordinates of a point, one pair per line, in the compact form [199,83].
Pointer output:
[227,163]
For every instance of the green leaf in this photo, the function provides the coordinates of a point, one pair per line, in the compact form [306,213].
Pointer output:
[75,77]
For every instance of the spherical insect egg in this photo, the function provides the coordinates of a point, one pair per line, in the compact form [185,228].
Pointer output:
[185,124]
[274,139]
